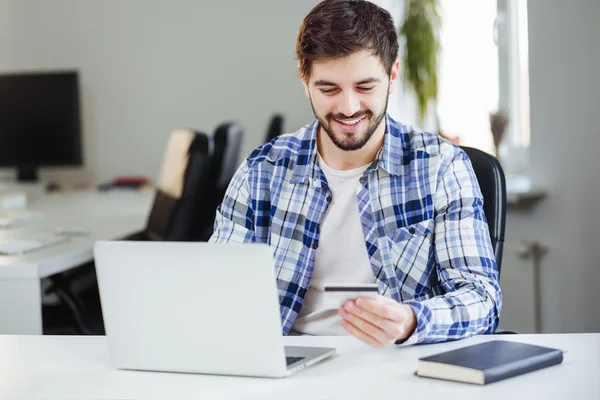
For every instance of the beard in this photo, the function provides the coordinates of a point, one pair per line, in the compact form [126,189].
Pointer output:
[351,141]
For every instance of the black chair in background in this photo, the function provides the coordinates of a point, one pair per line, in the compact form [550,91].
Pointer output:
[174,215]
[276,127]
[224,161]
[493,188]
[183,185]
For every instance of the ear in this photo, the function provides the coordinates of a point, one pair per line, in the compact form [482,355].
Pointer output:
[394,76]
[304,83]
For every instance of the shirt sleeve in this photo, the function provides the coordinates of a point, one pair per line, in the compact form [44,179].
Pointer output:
[465,263]
[234,220]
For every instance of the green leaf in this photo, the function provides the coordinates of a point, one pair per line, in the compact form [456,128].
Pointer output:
[420,30]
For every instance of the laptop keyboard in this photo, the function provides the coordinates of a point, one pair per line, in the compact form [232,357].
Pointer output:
[291,360]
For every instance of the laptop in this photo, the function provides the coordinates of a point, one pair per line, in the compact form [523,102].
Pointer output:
[195,308]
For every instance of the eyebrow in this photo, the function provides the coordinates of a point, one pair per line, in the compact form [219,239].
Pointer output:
[322,82]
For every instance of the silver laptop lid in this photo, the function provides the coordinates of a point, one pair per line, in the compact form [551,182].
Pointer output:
[191,307]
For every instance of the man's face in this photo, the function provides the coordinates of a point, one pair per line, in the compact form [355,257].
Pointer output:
[349,97]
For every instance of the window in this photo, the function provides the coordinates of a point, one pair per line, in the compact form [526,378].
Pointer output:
[483,70]
[513,50]
[468,71]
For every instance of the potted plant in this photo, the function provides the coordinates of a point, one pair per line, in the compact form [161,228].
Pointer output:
[420,31]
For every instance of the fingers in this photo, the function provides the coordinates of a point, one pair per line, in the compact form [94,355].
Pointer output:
[384,330]
[354,331]
[383,307]
[364,327]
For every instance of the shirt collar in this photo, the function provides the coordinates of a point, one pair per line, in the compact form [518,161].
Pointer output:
[390,157]
[396,144]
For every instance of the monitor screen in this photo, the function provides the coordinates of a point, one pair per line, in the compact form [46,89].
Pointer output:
[40,119]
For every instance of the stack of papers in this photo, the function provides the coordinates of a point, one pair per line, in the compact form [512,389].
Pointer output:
[34,242]
[16,218]
[12,200]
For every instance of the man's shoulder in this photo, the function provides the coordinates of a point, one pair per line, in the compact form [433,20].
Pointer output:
[286,147]
[415,140]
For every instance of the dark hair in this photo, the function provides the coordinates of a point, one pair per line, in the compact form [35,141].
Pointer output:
[338,28]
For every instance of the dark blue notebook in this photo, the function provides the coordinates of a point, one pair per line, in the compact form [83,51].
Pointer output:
[488,362]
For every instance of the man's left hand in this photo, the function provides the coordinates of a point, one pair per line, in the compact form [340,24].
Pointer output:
[380,322]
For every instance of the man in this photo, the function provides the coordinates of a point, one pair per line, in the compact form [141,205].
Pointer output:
[356,197]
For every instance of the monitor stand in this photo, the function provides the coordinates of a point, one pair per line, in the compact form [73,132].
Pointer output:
[27,173]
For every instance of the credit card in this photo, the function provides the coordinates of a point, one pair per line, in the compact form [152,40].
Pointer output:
[338,294]
[351,287]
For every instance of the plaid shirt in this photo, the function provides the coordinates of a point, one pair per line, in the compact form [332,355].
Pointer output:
[422,217]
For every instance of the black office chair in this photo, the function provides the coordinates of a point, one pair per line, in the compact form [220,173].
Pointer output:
[183,185]
[224,161]
[275,127]
[174,216]
[493,188]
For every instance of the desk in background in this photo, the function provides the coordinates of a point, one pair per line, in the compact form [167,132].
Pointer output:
[78,367]
[110,215]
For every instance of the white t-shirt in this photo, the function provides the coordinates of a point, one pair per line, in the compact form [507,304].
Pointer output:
[341,256]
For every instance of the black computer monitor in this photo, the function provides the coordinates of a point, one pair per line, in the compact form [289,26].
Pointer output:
[39,121]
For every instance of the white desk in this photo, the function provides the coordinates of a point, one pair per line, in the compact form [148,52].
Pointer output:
[106,215]
[50,367]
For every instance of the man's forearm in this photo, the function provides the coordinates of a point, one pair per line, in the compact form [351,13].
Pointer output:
[471,310]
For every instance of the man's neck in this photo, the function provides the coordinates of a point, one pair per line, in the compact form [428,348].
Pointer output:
[342,160]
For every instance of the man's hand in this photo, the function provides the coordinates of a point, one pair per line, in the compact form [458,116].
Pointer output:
[380,322]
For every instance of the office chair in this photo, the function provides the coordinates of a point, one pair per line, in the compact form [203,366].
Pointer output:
[493,188]
[228,139]
[224,161]
[182,186]
[173,216]
[275,127]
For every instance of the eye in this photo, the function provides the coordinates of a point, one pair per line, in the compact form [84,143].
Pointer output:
[365,88]
[327,91]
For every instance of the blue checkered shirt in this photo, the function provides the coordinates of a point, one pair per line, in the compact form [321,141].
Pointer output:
[422,218]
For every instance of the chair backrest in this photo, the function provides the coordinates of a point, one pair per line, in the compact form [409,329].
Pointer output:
[227,140]
[493,188]
[224,161]
[275,127]
[182,186]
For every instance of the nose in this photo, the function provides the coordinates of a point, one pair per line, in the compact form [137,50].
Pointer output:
[348,105]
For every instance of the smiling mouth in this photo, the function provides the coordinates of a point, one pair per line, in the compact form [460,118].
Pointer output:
[349,122]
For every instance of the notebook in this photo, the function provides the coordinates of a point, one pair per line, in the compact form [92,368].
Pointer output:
[488,362]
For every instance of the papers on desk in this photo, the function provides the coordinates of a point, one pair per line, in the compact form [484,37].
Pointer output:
[16,218]
[31,243]
[12,200]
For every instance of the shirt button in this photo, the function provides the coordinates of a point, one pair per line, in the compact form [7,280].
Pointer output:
[363,180]
[411,231]
[328,199]
[315,245]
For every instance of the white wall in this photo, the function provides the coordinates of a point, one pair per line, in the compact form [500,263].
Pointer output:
[565,138]
[148,67]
